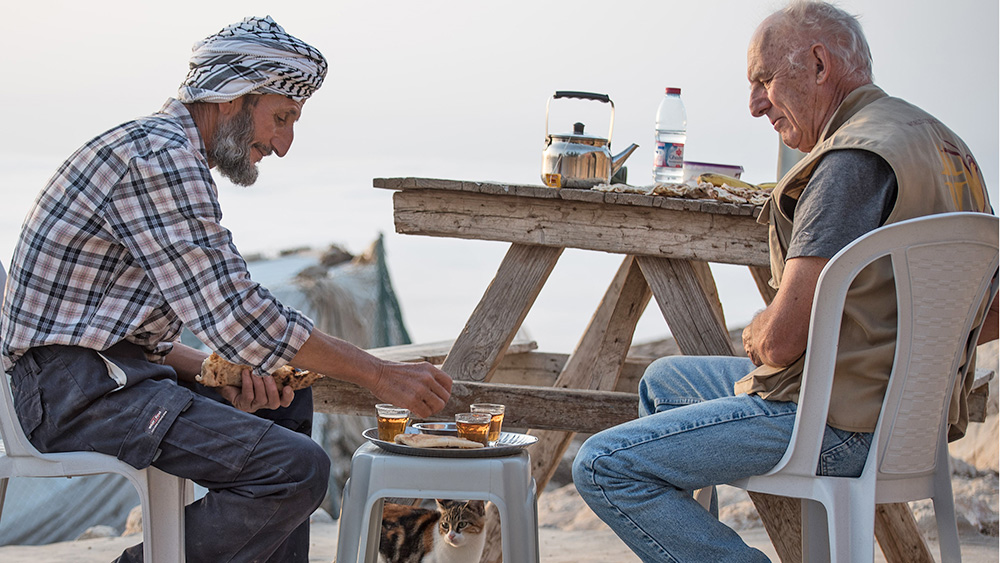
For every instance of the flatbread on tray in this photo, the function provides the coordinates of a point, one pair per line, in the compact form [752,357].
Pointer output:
[216,372]
[432,441]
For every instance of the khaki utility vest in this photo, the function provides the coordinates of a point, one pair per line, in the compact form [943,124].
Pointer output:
[936,173]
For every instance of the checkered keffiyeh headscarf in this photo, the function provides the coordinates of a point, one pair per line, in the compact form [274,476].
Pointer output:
[254,55]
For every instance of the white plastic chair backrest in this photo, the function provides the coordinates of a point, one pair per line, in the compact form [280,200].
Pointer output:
[943,266]
[15,442]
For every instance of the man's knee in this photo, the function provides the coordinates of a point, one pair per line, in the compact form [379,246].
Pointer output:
[294,462]
[311,468]
[585,464]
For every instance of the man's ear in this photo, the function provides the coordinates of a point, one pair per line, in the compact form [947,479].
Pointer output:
[821,61]
[230,108]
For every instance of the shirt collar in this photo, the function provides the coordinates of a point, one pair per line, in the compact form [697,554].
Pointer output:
[852,104]
[178,111]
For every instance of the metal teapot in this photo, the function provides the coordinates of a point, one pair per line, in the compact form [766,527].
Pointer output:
[577,159]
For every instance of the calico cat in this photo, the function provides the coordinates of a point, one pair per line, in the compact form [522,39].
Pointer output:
[454,533]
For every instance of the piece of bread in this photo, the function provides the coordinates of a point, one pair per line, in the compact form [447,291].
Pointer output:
[216,372]
[432,441]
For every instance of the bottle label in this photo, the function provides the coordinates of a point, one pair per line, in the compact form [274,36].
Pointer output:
[669,155]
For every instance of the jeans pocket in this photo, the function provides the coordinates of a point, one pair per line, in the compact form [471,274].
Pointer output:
[844,453]
[27,404]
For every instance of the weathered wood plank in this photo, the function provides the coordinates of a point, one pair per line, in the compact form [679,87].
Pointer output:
[685,306]
[761,276]
[979,395]
[538,407]
[641,230]
[707,281]
[568,194]
[898,535]
[523,365]
[495,321]
[542,368]
[782,518]
[553,408]
[435,352]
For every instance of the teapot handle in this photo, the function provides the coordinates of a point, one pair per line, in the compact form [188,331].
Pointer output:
[583,95]
[604,98]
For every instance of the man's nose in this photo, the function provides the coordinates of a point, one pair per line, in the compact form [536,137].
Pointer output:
[283,141]
[759,104]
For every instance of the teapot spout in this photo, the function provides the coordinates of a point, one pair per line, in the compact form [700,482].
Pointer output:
[619,159]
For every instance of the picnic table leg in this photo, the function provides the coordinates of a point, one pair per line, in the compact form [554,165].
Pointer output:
[761,276]
[489,331]
[898,535]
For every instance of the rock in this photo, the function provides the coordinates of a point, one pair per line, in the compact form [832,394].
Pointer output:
[133,523]
[98,532]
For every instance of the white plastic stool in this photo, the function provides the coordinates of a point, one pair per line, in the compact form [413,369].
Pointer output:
[377,474]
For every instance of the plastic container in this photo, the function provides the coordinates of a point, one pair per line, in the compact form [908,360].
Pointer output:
[671,134]
[694,169]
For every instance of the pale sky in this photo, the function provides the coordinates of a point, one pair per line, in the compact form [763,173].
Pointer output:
[456,89]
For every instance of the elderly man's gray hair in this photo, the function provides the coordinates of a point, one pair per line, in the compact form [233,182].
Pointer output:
[839,31]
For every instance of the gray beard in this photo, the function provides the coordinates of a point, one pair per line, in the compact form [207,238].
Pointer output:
[231,148]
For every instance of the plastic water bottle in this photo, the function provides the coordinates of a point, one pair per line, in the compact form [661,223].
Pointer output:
[671,133]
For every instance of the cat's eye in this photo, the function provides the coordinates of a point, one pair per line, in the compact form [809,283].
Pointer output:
[461,525]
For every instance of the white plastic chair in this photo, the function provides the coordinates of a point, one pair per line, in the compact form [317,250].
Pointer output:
[943,266]
[377,474]
[163,496]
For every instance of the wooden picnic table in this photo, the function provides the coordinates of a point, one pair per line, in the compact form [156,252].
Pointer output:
[666,244]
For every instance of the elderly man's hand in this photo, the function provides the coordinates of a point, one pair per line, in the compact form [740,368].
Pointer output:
[420,387]
[748,345]
[257,393]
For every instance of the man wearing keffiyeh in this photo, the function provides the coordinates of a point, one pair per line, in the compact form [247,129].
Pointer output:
[124,247]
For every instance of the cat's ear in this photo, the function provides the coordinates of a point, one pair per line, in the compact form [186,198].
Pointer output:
[442,503]
[477,506]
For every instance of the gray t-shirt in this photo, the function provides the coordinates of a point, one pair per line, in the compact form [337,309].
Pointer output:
[851,192]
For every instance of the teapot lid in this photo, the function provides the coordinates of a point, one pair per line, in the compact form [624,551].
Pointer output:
[578,136]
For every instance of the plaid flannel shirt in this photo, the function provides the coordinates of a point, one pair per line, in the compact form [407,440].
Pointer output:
[125,242]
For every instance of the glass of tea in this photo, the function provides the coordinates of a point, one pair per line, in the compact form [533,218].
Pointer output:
[392,420]
[474,426]
[496,418]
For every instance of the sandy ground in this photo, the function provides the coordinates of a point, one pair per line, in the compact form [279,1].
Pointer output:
[557,546]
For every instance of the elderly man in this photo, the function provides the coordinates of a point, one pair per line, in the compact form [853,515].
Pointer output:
[123,247]
[872,160]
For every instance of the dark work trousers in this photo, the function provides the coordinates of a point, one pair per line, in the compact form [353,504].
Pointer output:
[263,479]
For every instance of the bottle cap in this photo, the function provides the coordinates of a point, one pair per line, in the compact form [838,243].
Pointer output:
[674,91]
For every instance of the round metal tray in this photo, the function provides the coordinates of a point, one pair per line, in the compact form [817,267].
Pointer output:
[437,428]
[509,443]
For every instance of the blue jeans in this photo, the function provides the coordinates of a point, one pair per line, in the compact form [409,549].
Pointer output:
[693,433]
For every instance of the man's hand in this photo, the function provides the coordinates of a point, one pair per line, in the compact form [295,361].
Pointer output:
[257,393]
[748,344]
[420,387]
